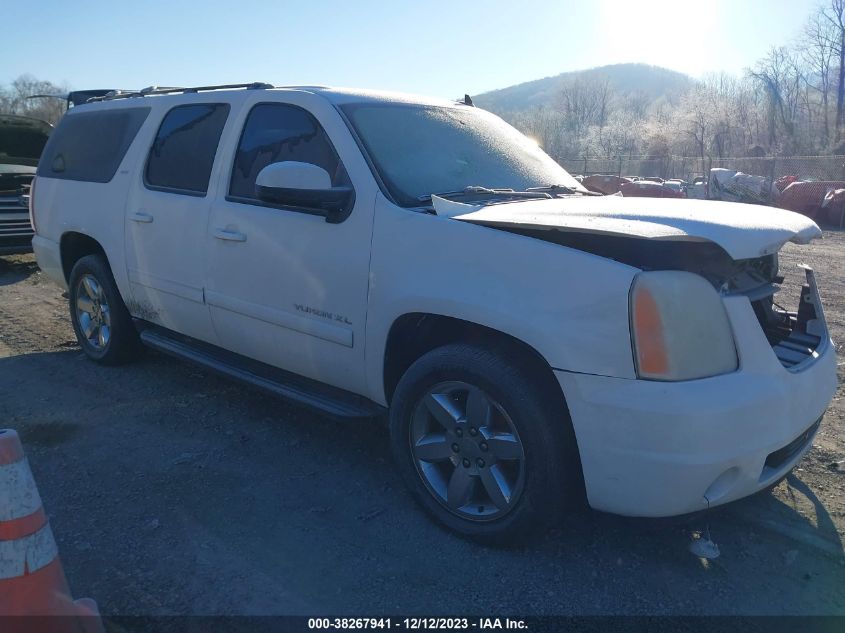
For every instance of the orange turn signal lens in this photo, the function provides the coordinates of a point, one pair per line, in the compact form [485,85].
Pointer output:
[649,341]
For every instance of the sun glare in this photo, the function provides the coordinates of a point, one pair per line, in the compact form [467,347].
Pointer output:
[660,32]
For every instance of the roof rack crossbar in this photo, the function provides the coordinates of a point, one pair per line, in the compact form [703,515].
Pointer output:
[161,90]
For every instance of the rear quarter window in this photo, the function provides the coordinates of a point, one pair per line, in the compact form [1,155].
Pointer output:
[90,146]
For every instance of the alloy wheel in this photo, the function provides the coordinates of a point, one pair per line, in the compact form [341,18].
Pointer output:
[467,451]
[92,312]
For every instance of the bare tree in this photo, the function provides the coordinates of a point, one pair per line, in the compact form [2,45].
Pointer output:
[622,135]
[14,99]
[786,103]
[834,14]
[819,48]
[637,103]
[780,77]
[584,103]
[695,118]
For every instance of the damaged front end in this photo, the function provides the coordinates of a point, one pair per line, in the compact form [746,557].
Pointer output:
[796,335]
[734,247]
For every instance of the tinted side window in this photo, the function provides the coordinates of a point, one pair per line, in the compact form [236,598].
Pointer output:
[183,151]
[276,132]
[90,146]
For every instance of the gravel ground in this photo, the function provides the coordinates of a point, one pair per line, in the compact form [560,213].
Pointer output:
[171,491]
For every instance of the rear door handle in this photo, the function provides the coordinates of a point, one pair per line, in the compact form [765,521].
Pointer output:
[231,236]
[141,216]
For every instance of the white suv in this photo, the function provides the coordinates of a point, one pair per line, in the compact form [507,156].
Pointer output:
[362,252]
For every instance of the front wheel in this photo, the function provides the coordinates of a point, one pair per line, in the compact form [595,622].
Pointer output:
[484,443]
[100,319]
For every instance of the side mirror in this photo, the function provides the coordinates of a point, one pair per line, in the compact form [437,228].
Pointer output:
[305,186]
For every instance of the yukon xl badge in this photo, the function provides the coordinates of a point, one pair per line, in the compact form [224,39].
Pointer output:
[322,313]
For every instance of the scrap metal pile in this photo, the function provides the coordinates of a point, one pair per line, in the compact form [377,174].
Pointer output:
[821,200]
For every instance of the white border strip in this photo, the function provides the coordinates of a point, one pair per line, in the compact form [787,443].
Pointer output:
[29,553]
[18,494]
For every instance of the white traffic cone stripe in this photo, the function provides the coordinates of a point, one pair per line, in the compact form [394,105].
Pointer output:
[27,554]
[18,494]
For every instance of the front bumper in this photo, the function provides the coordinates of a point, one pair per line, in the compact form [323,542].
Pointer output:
[15,249]
[668,448]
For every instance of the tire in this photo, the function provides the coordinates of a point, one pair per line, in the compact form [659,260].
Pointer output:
[514,486]
[100,319]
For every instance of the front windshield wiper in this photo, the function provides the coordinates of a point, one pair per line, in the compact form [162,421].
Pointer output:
[484,193]
[474,193]
[555,189]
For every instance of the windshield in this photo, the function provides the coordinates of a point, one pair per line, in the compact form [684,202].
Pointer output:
[423,150]
[22,139]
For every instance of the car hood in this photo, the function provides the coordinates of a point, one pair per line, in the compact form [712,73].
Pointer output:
[744,231]
[21,140]
[16,169]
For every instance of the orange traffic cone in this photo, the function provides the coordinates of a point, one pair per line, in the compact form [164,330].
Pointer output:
[32,582]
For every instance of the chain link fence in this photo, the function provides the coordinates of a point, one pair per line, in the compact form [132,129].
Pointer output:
[819,189]
[687,168]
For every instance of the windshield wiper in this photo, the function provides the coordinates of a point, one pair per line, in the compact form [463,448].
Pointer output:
[484,193]
[554,189]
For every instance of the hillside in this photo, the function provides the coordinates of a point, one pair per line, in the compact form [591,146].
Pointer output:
[652,81]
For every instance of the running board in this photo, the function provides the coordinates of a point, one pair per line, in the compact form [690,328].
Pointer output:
[311,393]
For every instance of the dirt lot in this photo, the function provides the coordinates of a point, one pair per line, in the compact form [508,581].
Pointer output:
[174,492]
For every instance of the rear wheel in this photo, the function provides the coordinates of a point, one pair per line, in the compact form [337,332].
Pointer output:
[100,319]
[484,443]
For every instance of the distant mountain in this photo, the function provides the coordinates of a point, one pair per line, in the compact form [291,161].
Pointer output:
[652,81]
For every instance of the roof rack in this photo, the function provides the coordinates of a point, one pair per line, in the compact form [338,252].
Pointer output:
[162,90]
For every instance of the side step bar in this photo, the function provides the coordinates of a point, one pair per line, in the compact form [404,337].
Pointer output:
[311,393]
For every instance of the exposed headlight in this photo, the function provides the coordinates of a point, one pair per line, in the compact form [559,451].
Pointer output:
[679,327]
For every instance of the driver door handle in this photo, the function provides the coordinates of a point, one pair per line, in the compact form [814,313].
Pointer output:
[231,236]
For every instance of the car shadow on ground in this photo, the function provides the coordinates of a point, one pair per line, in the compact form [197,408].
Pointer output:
[268,508]
[14,270]
[815,529]
[762,511]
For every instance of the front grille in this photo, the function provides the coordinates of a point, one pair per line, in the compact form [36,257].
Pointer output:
[8,206]
[15,228]
[12,204]
[16,225]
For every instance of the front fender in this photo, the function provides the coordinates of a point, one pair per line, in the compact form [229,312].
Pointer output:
[570,306]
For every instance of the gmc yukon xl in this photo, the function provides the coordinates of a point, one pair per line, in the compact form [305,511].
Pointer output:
[367,253]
